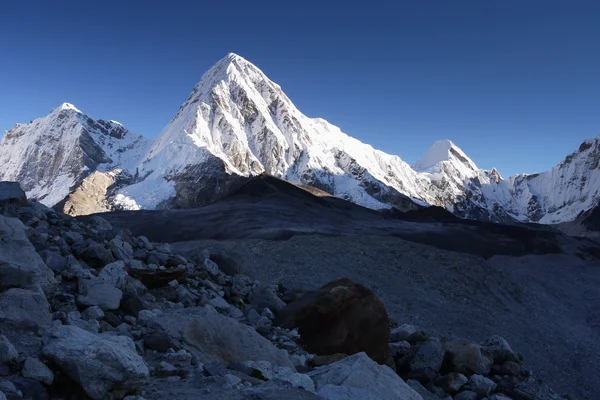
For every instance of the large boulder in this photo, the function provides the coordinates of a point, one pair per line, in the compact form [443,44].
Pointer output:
[340,317]
[20,264]
[103,295]
[215,337]
[99,363]
[360,372]
[22,309]
[468,358]
[12,197]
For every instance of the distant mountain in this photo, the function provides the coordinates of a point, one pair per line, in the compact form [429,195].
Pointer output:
[237,123]
[52,155]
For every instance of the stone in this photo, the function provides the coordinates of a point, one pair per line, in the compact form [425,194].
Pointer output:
[219,303]
[341,317]
[360,372]
[499,396]
[283,374]
[100,224]
[92,313]
[481,385]
[228,265]
[265,296]
[132,304]
[159,341]
[510,368]
[215,337]
[402,333]
[73,237]
[420,389]
[158,258]
[466,395]
[20,264]
[55,261]
[156,279]
[426,358]
[12,198]
[468,358]
[145,243]
[2,396]
[500,349]
[98,363]
[453,382]
[319,361]
[103,295]
[22,309]
[115,275]
[96,255]
[241,285]
[120,249]
[399,349]
[8,353]
[33,368]
[211,267]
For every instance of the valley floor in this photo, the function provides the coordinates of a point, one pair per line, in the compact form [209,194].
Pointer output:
[545,306]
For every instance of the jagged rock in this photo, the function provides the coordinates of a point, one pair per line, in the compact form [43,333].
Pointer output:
[466,395]
[360,372]
[241,285]
[33,368]
[55,261]
[114,274]
[453,382]
[468,358]
[211,267]
[92,313]
[8,352]
[98,363]
[481,385]
[426,359]
[103,295]
[500,349]
[283,374]
[214,337]
[96,255]
[72,237]
[20,264]
[341,317]
[120,249]
[12,197]
[100,223]
[265,296]
[402,333]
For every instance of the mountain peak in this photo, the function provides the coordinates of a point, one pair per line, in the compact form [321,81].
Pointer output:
[443,151]
[67,106]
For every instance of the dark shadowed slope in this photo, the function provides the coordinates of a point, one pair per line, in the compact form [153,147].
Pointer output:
[269,208]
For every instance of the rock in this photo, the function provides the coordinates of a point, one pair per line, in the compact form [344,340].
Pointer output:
[399,349]
[318,361]
[211,267]
[74,318]
[12,197]
[499,396]
[96,255]
[103,295]
[22,309]
[2,396]
[98,363]
[159,341]
[510,368]
[132,304]
[219,303]
[20,264]
[73,237]
[115,275]
[7,351]
[241,285]
[55,261]
[100,224]
[426,358]
[37,370]
[360,372]
[481,385]
[227,264]
[29,389]
[265,296]
[214,337]
[402,333]
[500,349]
[424,393]
[156,279]
[92,313]
[143,242]
[467,395]
[453,382]
[120,249]
[468,358]
[341,317]
[283,374]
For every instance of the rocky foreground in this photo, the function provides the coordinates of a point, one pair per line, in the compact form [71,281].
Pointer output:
[87,311]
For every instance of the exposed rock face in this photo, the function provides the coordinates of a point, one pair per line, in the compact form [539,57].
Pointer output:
[340,317]
[99,363]
[91,196]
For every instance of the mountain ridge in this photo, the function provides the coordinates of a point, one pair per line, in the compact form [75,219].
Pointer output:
[238,123]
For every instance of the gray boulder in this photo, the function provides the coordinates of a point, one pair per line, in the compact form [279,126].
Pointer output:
[468,358]
[55,261]
[454,381]
[121,250]
[467,395]
[360,372]
[33,368]
[417,387]
[115,274]
[215,337]
[99,363]
[426,358]
[500,349]
[103,295]
[8,352]
[265,296]
[481,385]
[20,264]
[22,309]
[12,197]
[402,333]
[96,255]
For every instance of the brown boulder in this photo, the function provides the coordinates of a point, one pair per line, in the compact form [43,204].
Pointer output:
[340,317]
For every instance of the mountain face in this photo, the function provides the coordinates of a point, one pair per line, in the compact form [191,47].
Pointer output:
[237,123]
[52,155]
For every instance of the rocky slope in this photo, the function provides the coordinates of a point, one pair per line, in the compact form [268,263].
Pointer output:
[238,123]
[91,312]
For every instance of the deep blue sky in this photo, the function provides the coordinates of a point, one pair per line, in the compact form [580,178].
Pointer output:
[516,84]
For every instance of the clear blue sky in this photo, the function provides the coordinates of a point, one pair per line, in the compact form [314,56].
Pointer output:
[516,84]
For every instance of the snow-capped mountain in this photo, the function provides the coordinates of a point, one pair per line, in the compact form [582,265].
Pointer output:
[237,123]
[52,155]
